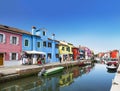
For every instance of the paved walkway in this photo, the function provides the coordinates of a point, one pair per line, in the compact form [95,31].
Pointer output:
[116,81]
[14,69]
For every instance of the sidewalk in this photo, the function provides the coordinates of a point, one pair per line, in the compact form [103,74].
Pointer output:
[7,73]
[116,81]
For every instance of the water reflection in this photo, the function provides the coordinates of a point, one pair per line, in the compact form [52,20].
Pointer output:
[50,83]
[111,71]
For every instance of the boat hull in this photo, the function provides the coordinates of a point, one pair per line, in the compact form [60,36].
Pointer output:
[111,67]
[53,71]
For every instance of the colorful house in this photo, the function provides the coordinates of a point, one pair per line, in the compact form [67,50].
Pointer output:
[10,45]
[82,52]
[65,51]
[88,53]
[114,54]
[38,46]
[76,53]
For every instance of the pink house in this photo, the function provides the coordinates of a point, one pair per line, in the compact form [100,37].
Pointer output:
[10,45]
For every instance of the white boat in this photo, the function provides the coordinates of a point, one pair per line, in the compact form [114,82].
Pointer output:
[111,67]
[112,64]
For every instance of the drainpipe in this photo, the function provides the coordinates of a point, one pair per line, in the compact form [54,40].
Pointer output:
[53,48]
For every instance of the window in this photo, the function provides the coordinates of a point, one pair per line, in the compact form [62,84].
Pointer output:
[49,55]
[49,44]
[2,38]
[56,45]
[68,49]
[44,44]
[14,40]
[63,48]
[57,55]
[38,44]
[43,33]
[13,56]
[26,42]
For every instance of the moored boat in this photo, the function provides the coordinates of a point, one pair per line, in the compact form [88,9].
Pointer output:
[112,67]
[112,64]
[52,71]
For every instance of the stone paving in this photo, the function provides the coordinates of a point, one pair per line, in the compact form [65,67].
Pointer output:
[116,81]
[14,69]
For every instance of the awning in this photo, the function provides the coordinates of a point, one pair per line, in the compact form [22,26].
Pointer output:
[35,52]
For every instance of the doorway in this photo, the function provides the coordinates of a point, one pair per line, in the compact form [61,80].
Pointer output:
[1,59]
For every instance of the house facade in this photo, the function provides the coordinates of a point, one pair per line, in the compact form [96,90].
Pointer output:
[65,51]
[10,45]
[39,46]
[114,54]
[76,53]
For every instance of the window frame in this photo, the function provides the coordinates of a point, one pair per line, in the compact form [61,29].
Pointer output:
[4,38]
[11,56]
[63,48]
[49,55]
[56,46]
[49,44]
[37,44]
[11,40]
[25,42]
[44,33]
[44,45]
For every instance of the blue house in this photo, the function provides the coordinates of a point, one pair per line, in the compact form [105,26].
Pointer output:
[49,45]
[37,45]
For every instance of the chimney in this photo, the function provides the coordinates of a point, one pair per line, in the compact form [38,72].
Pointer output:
[53,36]
[33,30]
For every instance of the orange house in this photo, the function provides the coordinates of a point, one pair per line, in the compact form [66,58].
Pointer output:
[114,54]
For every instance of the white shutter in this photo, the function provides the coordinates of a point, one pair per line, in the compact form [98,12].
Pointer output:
[4,38]
[17,40]
[10,39]
[10,56]
[16,56]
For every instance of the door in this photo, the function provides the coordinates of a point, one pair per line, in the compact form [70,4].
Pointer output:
[1,59]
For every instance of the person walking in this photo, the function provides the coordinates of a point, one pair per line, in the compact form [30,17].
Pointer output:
[48,59]
[60,58]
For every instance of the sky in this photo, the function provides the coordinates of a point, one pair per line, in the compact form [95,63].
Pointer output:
[91,23]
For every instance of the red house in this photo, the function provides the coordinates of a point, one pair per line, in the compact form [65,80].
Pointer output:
[10,45]
[76,53]
[114,54]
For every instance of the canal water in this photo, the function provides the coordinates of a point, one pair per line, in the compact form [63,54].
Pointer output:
[88,78]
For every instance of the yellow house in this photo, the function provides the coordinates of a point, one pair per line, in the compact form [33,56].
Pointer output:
[65,51]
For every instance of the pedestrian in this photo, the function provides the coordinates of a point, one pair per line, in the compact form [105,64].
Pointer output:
[43,60]
[39,60]
[48,59]
[60,59]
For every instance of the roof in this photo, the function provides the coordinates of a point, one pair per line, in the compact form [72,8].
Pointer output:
[75,47]
[11,29]
[52,39]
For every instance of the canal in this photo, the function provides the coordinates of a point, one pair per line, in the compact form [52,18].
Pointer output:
[88,78]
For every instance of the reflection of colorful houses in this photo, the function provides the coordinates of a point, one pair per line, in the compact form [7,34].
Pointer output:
[76,53]
[10,45]
[66,79]
[76,72]
[65,51]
